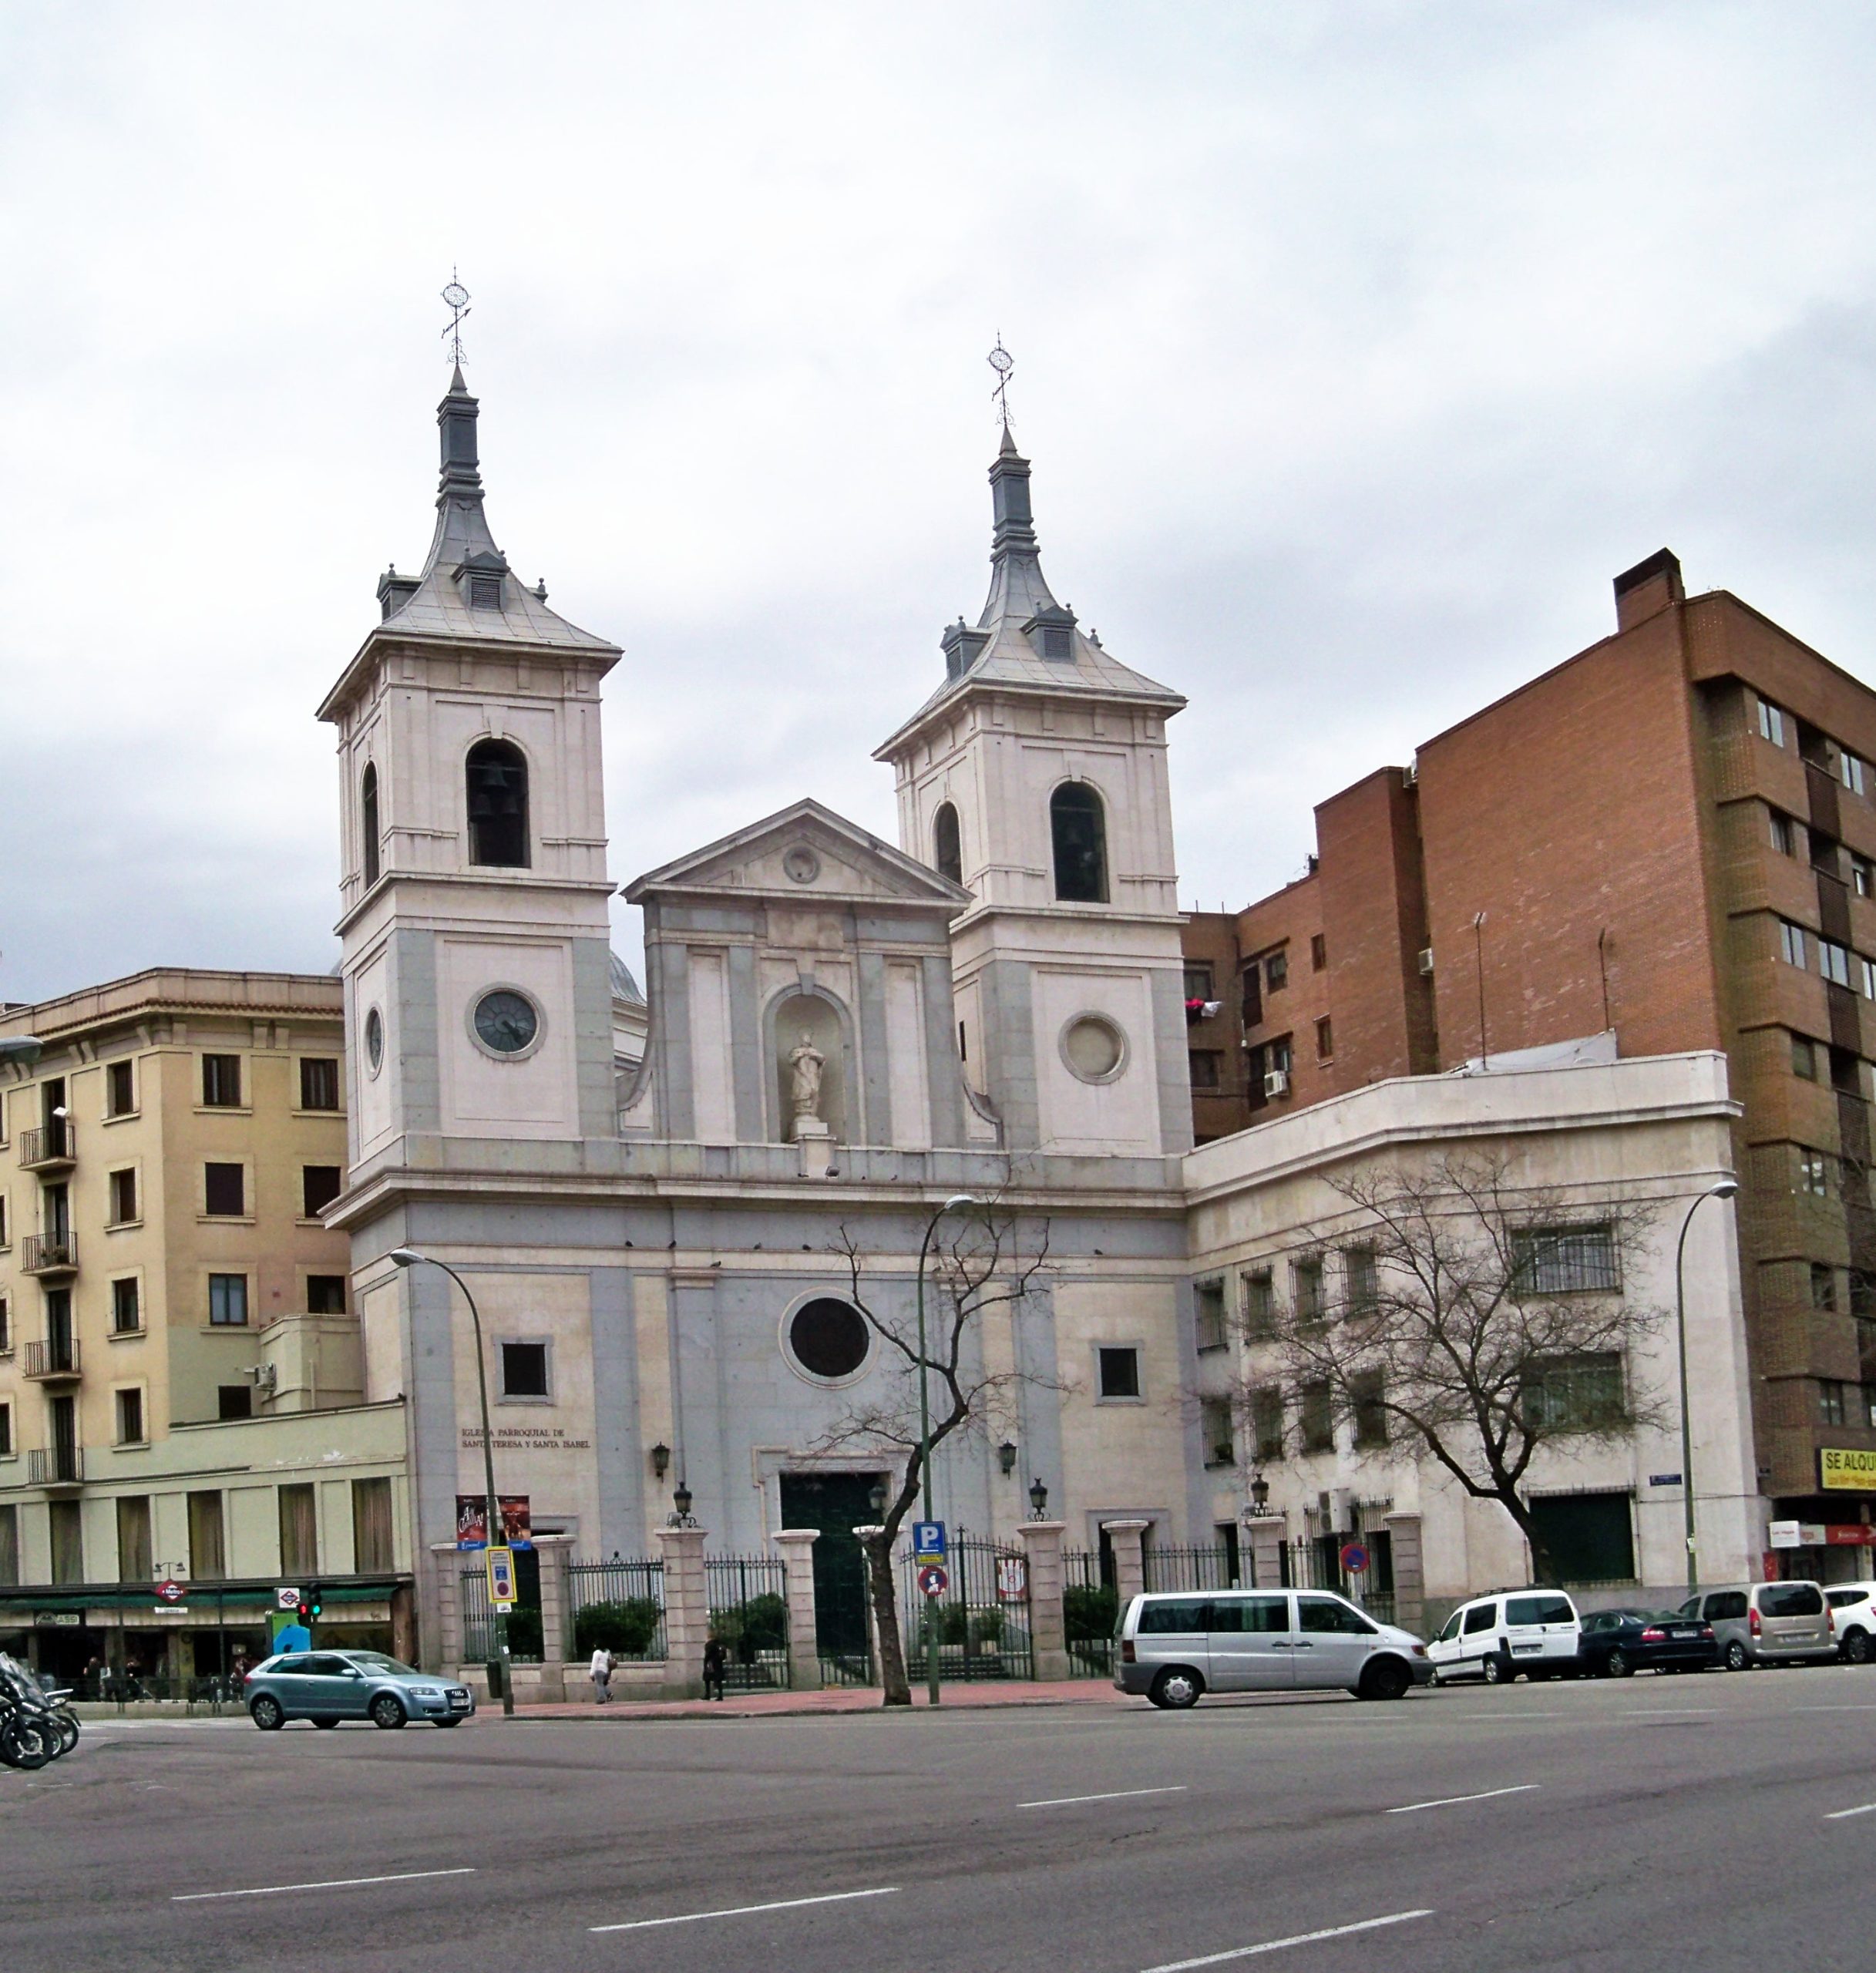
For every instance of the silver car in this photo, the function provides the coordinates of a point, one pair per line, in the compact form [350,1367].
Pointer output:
[1766,1623]
[1174,1648]
[328,1686]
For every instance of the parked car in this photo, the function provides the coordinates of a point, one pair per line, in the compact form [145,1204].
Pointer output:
[1175,1648]
[1766,1623]
[1616,1644]
[1852,1610]
[1495,1638]
[328,1686]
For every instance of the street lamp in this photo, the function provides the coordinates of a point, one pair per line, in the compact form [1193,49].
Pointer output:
[1726,1188]
[1038,1499]
[955,1203]
[409,1257]
[1260,1490]
[21,1051]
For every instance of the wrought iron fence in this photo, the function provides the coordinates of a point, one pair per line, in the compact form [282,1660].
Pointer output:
[982,1615]
[618,1605]
[1188,1569]
[748,1596]
[1090,1611]
[525,1641]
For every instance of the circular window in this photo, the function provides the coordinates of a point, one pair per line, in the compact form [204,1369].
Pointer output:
[375,1040]
[1093,1048]
[828,1338]
[801,864]
[506,1022]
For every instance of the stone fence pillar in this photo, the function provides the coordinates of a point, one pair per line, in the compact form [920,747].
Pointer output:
[1129,1562]
[553,1552]
[797,1547]
[1410,1570]
[445,1650]
[686,1612]
[1048,1636]
[1264,1537]
[866,1534]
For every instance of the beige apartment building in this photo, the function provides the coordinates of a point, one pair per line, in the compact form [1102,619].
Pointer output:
[172,1309]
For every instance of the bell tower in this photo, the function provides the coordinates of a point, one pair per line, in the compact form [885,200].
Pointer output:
[473,893]
[1035,776]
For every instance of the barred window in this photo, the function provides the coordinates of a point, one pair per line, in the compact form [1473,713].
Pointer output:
[1367,1394]
[1319,1418]
[1575,1393]
[1306,1285]
[1259,1303]
[1565,1260]
[1363,1279]
[1211,1316]
[1215,1431]
[1266,1422]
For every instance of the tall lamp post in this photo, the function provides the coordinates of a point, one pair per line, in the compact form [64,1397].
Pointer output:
[953,1204]
[492,1525]
[1724,1189]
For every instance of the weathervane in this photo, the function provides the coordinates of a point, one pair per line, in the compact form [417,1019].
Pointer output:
[1003,363]
[456,299]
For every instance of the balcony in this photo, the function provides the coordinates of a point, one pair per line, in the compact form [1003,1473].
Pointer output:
[48,1253]
[55,1358]
[50,1149]
[56,1466]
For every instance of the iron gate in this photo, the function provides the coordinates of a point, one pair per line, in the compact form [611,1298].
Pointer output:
[1090,1611]
[619,1604]
[747,1596]
[983,1616]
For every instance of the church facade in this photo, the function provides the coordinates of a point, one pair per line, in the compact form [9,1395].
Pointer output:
[843,1034]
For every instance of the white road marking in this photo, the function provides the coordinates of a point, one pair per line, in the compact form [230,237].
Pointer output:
[1299,1938]
[1820,1709]
[1668,1712]
[1113,1795]
[743,1910]
[1450,1801]
[328,1884]
[1837,1815]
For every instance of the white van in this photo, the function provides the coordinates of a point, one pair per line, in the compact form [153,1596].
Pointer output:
[1536,1631]
[1173,1648]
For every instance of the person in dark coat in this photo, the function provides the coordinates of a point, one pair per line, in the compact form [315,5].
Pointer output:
[712,1667]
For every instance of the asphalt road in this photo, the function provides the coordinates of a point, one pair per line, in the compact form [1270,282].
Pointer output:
[1579,1826]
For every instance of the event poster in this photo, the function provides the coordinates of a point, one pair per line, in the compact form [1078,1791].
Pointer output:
[473,1521]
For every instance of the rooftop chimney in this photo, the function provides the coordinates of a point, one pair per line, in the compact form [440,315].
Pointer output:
[1648,589]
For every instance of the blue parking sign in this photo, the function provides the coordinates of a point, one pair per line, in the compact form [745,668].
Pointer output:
[928,1540]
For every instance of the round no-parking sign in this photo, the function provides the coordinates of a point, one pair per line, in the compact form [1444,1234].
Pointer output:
[1354,1557]
[932,1580]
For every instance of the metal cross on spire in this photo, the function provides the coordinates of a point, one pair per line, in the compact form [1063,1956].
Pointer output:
[456,299]
[1003,363]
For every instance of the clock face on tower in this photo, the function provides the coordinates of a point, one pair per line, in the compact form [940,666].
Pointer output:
[506,1021]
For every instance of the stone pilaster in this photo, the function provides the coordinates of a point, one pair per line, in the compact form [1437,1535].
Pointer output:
[1264,1536]
[1410,1570]
[444,1652]
[1048,1636]
[1129,1562]
[686,1612]
[553,1552]
[797,1547]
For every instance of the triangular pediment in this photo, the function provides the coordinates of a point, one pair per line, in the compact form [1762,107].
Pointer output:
[805,854]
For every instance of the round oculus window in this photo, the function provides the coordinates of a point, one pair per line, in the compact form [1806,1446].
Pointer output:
[801,864]
[828,1338]
[506,1022]
[375,1040]
[1093,1048]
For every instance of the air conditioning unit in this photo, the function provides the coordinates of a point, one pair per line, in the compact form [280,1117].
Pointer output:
[1277,1083]
[265,1376]
[1409,776]
[1426,961]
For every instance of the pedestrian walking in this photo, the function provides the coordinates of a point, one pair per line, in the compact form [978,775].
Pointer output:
[712,1667]
[599,1670]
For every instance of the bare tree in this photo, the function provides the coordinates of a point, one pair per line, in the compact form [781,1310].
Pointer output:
[1485,1317]
[978,1261]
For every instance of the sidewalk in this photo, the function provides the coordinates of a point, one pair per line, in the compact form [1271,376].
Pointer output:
[840,1699]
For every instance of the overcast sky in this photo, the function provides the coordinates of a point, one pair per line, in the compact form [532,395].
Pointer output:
[1358,348]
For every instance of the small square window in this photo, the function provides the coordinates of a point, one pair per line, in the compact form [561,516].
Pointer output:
[325,1294]
[129,1417]
[234,1400]
[1319,953]
[1198,980]
[221,1082]
[1325,1040]
[1207,1068]
[319,1184]
[123,1197]
[120,1089]
[484,592]
[224,1190]
[524,1370]
[1804,1057]
[227,1301]
[127,1306]
[1279,1054]
[1276,972]
[318,1083]
[1120,1372]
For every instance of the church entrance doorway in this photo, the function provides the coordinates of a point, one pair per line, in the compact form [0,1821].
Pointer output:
[835,1504]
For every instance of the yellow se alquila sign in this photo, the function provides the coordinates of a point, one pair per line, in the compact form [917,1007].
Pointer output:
[1843,1471]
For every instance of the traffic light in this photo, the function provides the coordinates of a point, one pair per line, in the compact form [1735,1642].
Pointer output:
[314,1602]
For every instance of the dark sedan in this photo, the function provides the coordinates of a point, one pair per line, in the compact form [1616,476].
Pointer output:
[1616,1644]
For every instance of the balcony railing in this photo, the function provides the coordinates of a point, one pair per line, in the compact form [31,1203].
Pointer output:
[48,1253]
[56,1466]
[55,1357]
[56,1144]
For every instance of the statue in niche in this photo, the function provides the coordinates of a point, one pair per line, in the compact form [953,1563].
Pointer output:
[807,1063]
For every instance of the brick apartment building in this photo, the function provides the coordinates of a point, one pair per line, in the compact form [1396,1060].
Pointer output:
[1669,838]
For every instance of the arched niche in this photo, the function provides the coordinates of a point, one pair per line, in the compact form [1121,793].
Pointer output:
[823,1021]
